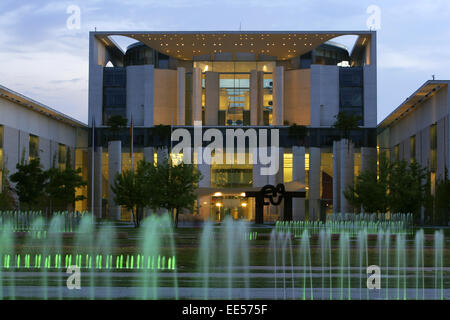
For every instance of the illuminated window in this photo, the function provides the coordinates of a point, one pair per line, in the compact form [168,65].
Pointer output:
[81,161]
[433,148]
[33,147]
[307,175]
[396,153]
[412,148]
[232,175]
[287,167]
[267,99]
[138,155]
[356,165]
[62,156]
[176,158]
[326,177]
[234,99]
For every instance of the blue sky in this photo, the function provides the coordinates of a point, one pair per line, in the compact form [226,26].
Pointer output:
[43,59]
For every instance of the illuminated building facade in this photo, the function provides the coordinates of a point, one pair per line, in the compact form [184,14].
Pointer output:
[243,80]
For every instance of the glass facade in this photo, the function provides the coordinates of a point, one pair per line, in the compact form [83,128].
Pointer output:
[287,166]
[140,54]
[234,205]
[114,92]
[351,90]
[232,175]
[188,99]
[234,99]
[138,155]
[234,89]
[326,181]
[267,99]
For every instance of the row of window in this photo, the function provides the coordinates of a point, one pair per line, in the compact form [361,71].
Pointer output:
[33,151]
[412,148]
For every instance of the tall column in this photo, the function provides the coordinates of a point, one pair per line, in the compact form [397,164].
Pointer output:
[298,174]
[149,93]
[95,98]
[196,94]
[114,167]
[254,92]
[336,177]
[181,95]
[259,180]
[347,171]
[278,96]
[260,104]
[277,177]
[205,170]
[149,154]
[212,98]
[98,182]
[314,183]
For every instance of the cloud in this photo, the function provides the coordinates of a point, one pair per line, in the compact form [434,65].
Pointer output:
[41,58]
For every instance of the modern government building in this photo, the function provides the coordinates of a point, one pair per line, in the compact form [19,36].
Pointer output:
[232,80]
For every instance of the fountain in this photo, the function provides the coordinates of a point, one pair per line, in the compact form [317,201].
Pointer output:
[292,260]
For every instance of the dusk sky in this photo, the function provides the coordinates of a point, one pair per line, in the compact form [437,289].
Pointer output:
[43,59]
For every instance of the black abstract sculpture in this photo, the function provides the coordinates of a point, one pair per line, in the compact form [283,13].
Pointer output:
[275,195]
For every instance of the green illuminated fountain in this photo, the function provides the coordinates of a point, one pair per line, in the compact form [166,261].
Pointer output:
[228,260]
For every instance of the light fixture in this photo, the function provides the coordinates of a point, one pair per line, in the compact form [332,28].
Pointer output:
[218,194]
[218,204]
[244,204]
[243,194]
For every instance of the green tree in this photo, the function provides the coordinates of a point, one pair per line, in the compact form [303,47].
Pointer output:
[30,182]
[345,122]
[176,187]
[61,187]
[407,187]
[7,200]
[442,200]
[133,190]
[396,187]
[370,189]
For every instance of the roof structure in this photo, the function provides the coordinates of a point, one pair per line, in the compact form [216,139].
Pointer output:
[426,91]
[185,45]
[29,103]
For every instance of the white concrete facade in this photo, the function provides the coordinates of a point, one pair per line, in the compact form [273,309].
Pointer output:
[20,119]
[308,96]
